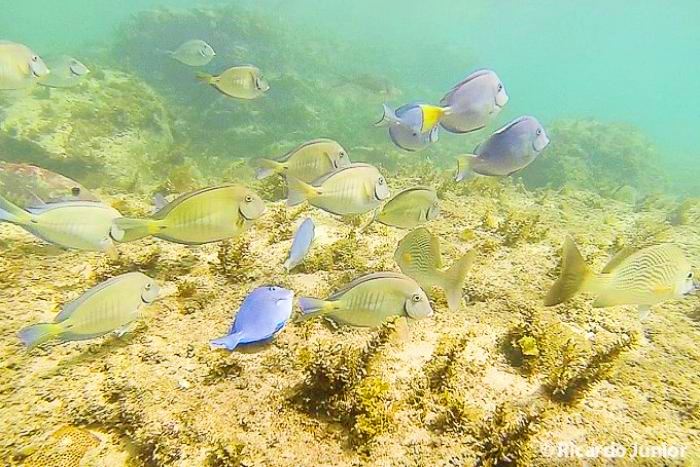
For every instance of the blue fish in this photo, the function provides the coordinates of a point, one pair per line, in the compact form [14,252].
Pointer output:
[263,313]
[508,150]
[301,244]
[472,103]
[407,127]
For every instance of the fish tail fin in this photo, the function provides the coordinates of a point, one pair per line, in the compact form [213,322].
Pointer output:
[10,212]
[312,307]
[575,275]
[371,221]
[299,191]
[431,116]
[266,167]
[125,229]
[205,78]
[388,117]
[228,342]
[464,167]
[37,334]
[453,281]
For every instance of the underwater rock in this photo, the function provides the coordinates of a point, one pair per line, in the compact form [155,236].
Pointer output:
[108,130]
[589,154]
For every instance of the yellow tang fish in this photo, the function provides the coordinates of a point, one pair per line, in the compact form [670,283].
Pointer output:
[77,225]
[203,216]
[642,277]
[111,306]
[351,190]
[306,162]
[418,256]
[241,82]
[370,300]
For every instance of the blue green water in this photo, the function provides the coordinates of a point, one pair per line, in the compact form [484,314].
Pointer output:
[619,61]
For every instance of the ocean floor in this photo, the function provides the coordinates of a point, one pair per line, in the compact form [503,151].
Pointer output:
[502,380]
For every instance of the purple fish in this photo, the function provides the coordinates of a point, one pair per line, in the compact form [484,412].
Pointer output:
[263,313]
[472,103]
[405,127]
[301,244]
[507,151]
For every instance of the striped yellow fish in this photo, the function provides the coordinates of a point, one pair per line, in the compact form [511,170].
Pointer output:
[370,300]
[642,277]
[306,162]
[418,256]
[203,216]
[109,307]
[351,190]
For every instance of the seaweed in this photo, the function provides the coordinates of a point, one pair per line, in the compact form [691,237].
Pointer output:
[345,254]
[235,261]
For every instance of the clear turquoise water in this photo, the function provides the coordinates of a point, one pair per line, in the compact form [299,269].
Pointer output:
[623,61]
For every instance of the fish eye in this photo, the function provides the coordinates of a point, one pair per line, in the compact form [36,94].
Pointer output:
[248,199]
[272,289]
[381,180]
[35,58]
[416,298]
[690,275]
[149,286]
[539,131]
[342,154]
[500,87]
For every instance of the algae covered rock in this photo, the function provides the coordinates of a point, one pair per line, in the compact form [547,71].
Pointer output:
[592,155]
[109,129]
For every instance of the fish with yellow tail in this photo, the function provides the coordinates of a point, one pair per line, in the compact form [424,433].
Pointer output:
[642,277]
[204,216]
[418,256]
[112,306]
[307,162]
[241,82]
[74,225]
[371,300]
[351,190]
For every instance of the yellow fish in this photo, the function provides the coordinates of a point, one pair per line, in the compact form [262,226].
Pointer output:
[418,256]
[20,67]
[111,306]
[306,162]
[642,277]
[410,208]
[241,82]
[203,216]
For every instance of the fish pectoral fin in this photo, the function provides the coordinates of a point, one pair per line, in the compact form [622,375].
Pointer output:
[129,327]
[662,290]
[644,311]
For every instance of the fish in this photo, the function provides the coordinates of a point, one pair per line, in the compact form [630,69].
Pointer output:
[262,315]
[241,82]
[30,186]
[66,72]
[474,102]
[370,83]
[422,118]
[507,151]
[642,277]
[20,67]
[370,300]
[405,131]
[301,244]
[410,208]
[351,190]
[307,162]
[74,225]
[111,306]
[194,53]
[418,256]
[203,216]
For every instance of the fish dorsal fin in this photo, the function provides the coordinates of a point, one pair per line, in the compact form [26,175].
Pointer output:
[289,154]
[162,213]
[471,77]
[414,188]
[68,310]
[323,178]
[361,280]
[510,125]
[619,258]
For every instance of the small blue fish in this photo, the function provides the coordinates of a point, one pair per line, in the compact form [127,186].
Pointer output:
[407,126]
[301,244]
[508,150]
[263,313]
[472,103]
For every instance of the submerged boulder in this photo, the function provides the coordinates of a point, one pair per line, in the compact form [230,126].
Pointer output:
[110,129]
